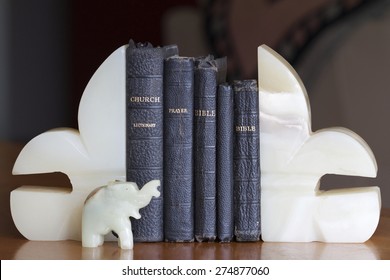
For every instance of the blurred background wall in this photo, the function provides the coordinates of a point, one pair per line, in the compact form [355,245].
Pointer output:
[35,74]
[50,49]
[4,92]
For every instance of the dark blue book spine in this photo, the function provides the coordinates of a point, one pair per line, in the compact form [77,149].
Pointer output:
[144,132]
[178,149]
[205,149]
[225,138]
[246,161]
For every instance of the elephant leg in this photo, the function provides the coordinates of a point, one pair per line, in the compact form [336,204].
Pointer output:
[101,240]
[92,240]
[125,234]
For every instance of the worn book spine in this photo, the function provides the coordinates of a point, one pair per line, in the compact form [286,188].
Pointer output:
[178,149]
[144,132]
[246,161]
[225,138]
[205,149]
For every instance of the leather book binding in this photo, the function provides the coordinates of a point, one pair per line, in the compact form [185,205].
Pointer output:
[246,161]
[178,149]
[208,73]
[144,131]
[225,138]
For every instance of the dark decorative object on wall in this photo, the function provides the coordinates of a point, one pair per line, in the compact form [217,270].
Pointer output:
[288,32]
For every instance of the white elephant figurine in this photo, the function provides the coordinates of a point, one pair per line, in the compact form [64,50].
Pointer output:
[108,209]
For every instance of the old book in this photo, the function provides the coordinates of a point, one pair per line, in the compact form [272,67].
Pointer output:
[144,130]
[206,79]
[225,137]
[246,161]
[178,149]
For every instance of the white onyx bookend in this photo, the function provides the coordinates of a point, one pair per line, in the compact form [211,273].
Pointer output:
[109,208]
[90,157]
[293,159]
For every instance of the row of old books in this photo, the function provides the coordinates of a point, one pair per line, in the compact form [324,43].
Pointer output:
[199,135]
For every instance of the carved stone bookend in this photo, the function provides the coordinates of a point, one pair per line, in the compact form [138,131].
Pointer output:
[91,156]
[293,159]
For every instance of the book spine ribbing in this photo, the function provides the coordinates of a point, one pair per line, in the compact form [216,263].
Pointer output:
[225,138]
[178,149]
[246,161]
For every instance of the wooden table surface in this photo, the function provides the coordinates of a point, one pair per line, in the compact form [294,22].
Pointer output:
[15,246]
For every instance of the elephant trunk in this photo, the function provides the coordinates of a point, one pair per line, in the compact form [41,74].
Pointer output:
[150,189]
